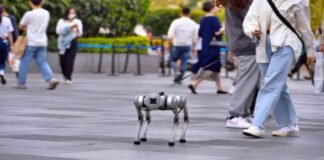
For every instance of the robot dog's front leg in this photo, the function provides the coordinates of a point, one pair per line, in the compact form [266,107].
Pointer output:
[146,125]
[175,127]
[183,105]
[139,105]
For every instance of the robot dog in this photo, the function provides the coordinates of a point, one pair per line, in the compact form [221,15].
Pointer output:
[160,101]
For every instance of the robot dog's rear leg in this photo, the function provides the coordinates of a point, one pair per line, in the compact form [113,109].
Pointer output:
[175,127]
[186,120]
[140,120]
[146,126]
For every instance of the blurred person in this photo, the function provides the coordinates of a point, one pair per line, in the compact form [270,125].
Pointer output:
[182,35]
[6,43]
[13,20]
[35,23]
[319,66]
[247,78]
[278,47]
[69,29]
[209,63]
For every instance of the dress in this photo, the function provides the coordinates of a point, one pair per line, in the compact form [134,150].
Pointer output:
[208,54]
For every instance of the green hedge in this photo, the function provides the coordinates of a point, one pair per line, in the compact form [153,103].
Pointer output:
[133,40]
[160,19]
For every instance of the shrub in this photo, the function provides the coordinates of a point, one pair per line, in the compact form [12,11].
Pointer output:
[118,42]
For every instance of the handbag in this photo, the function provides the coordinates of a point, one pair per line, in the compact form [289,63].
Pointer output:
[217,43]
[20,46]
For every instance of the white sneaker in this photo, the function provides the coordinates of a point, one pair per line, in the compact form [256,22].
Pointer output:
[231,90]
[68,81]
[255,132]
[238,122]
[289,131]
[52,84]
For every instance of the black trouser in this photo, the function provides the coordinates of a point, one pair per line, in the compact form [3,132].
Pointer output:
[67,60]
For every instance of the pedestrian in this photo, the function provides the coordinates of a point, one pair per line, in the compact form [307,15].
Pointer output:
[35,23]
[319,66]
[208,66]
[13,20]
[6,43]
[69,29]
[247,78]
[14,60]
[182,34]
[278,49]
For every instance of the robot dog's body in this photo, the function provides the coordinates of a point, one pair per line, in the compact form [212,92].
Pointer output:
[159,101]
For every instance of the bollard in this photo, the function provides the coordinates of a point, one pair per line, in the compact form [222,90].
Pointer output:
[127,59]
[112,73]
[139,72]
[100,59]
[162,62]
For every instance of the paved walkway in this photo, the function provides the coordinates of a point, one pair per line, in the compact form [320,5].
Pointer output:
[94,119]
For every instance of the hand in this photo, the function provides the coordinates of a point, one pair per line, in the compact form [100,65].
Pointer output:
[311,60]
[322,48]
[257,34]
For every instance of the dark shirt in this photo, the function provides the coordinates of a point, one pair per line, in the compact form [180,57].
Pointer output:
[15,33]
[237,41]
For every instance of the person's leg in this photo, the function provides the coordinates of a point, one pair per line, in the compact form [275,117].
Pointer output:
[273,86]
[184,56]
[285,113]
[246,82]
[4,51]
[41,60]
[63,63]
[24,64]
[174,58]
[70,59]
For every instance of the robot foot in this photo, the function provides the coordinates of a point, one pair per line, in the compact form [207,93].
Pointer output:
[137,142]
[183,141]
[171,144]
[143,139]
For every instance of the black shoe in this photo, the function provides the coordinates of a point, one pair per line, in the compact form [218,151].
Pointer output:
[221,92]
[290,75]
[193,90]
[178,79]
[3,80]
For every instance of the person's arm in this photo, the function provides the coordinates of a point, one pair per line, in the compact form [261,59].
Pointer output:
[24,22]
[304,29]
[251,24]
[171,33]
[80,28]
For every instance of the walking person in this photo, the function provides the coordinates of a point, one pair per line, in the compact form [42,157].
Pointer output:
[247,79]
[182,34]
[6,42]
[319,66]
[278,49]
[69,29]
[35,22]
[209,63]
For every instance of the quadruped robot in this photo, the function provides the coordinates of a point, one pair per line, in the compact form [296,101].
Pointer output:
[160,101]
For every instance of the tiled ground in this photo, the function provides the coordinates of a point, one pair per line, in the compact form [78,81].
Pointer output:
[94,119]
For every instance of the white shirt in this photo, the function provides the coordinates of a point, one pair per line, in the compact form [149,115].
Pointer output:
[261,17]
[61,24]
[5,27]
[183,32]
[36,22]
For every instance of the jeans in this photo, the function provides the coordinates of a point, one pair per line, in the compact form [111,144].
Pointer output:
[4,52]
[40,55]
[273,96]
[182,53]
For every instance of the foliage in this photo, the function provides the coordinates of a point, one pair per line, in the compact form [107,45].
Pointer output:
[119,15]
[317,7]
[161,19]
[119,42]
